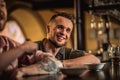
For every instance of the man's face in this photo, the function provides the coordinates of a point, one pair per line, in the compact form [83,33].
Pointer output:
[60,31]
[3,14]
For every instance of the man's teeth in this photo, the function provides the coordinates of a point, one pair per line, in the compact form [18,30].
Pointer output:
[61,38]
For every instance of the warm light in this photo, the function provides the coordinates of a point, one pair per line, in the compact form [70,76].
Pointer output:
[13,31]
[100,32]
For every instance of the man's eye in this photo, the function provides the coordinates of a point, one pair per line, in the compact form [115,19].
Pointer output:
[59,27]
[68,30]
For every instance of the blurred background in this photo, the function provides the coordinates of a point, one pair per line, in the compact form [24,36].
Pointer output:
[97,22]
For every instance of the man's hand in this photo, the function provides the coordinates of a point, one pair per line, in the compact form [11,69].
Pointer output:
[41,55]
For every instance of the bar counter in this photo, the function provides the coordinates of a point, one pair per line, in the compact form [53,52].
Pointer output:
[110,71]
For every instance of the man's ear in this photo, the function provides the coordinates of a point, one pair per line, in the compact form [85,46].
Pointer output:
[48,28]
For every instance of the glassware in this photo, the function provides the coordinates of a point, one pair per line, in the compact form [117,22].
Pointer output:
[114,54]
[111,51]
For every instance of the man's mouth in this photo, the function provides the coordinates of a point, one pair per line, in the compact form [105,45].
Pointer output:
[60,38]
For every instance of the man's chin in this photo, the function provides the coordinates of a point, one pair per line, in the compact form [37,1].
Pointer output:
[56,44]
[60,45]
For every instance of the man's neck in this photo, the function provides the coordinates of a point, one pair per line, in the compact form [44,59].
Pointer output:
[49,47]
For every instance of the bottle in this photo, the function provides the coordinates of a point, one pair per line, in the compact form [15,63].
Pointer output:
[116,58]
[105,54]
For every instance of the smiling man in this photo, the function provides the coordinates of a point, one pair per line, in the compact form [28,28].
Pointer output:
[14,55]
[59,30]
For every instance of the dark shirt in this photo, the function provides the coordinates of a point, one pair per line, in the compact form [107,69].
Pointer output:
[64,53]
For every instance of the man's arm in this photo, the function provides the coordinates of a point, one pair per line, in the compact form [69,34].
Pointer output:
[7,57]
[80,61]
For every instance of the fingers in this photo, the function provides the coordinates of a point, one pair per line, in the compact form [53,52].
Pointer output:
[41,55]
[59,64]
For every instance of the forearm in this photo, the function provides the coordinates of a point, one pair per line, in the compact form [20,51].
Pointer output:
[80,61]
[9,56]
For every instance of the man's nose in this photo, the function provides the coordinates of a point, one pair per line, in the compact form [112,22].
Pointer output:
[63,31]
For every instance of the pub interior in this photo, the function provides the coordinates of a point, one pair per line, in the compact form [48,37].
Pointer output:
[97,31]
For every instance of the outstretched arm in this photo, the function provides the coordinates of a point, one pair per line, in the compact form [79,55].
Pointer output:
[9,56]
[80,61]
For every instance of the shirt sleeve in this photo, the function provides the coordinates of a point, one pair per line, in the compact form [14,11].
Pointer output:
[76,53]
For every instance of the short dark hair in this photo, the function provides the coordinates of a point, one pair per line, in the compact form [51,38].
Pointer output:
[63,14]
